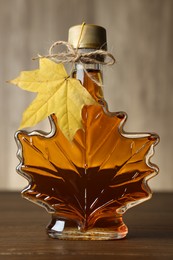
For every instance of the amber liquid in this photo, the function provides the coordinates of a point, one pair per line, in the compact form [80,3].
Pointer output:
[90,182]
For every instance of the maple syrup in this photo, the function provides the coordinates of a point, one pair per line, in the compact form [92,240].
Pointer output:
[87,184]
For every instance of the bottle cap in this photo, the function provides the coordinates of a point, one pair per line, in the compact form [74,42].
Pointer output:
[91,37]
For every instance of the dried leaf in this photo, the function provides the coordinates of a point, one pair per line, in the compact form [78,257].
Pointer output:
[57,93]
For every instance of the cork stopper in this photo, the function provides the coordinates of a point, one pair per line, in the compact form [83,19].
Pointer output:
[92,37]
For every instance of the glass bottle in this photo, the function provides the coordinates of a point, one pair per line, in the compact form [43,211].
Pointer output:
[87,184]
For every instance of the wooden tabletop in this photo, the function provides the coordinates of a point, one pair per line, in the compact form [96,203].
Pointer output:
[23,236]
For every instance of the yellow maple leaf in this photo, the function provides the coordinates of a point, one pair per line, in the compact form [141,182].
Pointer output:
[57,94]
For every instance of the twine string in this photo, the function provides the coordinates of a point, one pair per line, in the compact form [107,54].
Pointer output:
[80,35]
[75,55]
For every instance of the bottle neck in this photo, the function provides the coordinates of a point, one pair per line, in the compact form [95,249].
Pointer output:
[92,80]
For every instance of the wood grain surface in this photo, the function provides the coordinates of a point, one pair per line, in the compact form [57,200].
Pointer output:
[22,233]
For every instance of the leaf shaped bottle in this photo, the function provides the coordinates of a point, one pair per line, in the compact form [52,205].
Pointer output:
[88,183]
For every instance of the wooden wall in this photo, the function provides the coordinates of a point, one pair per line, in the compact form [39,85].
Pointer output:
[140,35]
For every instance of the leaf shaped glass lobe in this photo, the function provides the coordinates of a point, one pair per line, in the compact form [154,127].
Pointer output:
[98,175]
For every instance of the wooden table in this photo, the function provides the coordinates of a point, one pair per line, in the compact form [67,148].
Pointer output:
[22,233]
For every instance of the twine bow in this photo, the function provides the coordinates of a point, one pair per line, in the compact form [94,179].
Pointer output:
[76,55]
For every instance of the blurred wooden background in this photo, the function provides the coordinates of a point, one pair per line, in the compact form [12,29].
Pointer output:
[140,35]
